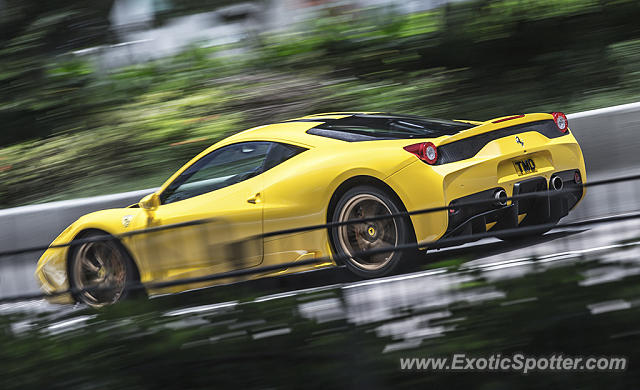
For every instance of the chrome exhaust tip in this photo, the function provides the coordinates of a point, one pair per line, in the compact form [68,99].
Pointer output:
[556,183]
[500,197]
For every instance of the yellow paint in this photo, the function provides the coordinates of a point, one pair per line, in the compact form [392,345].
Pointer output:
[297,193]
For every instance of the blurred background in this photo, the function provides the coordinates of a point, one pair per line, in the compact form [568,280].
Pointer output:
[108,96]
[116,95]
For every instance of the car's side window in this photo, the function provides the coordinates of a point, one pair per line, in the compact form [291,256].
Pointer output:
[280,153]
[221,168]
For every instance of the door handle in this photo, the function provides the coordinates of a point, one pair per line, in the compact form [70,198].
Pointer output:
[254,199]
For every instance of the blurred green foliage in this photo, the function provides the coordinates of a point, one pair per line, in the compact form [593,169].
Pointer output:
[338,337]
[73,129]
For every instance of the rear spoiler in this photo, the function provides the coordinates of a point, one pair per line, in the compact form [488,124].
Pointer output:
[498,123]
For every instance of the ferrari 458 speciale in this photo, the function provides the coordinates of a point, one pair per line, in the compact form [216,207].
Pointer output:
[318,169]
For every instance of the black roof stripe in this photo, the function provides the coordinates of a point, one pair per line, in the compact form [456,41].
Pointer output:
[369,127]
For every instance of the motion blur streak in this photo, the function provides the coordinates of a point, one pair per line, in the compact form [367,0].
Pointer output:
[116,96]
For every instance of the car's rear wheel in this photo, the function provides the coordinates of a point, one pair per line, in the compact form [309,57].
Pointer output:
[100,271]
[350,241]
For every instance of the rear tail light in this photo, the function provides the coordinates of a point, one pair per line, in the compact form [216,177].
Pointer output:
[425,151]
[561,121]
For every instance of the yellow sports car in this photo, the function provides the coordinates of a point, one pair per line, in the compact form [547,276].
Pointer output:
[318,169]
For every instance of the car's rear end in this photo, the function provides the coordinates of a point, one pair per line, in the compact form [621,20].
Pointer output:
[487,163]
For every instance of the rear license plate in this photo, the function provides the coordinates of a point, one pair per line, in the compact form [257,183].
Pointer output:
[524,167]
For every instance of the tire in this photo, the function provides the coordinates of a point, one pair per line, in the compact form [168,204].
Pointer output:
[347,240]
[95,267]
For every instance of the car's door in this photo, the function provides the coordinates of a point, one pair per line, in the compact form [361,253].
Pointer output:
[222,187]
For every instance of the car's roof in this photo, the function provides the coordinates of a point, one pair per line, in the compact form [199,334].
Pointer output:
[294,130]
[297,129]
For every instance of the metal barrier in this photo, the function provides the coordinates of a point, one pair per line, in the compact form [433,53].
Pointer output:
[531,195]
[608,137]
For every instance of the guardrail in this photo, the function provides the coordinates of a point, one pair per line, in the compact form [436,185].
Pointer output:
[238,248]
[609,137]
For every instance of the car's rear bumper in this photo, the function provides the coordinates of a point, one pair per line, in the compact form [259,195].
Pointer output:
[481,212]
[421,186]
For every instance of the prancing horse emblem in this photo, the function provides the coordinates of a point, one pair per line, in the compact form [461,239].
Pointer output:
[518,140]
[126,220]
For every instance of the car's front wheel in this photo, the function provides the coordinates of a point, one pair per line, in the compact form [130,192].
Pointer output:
[100,271]
[352,241]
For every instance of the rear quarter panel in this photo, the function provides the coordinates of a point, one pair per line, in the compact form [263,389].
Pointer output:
[297,192]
